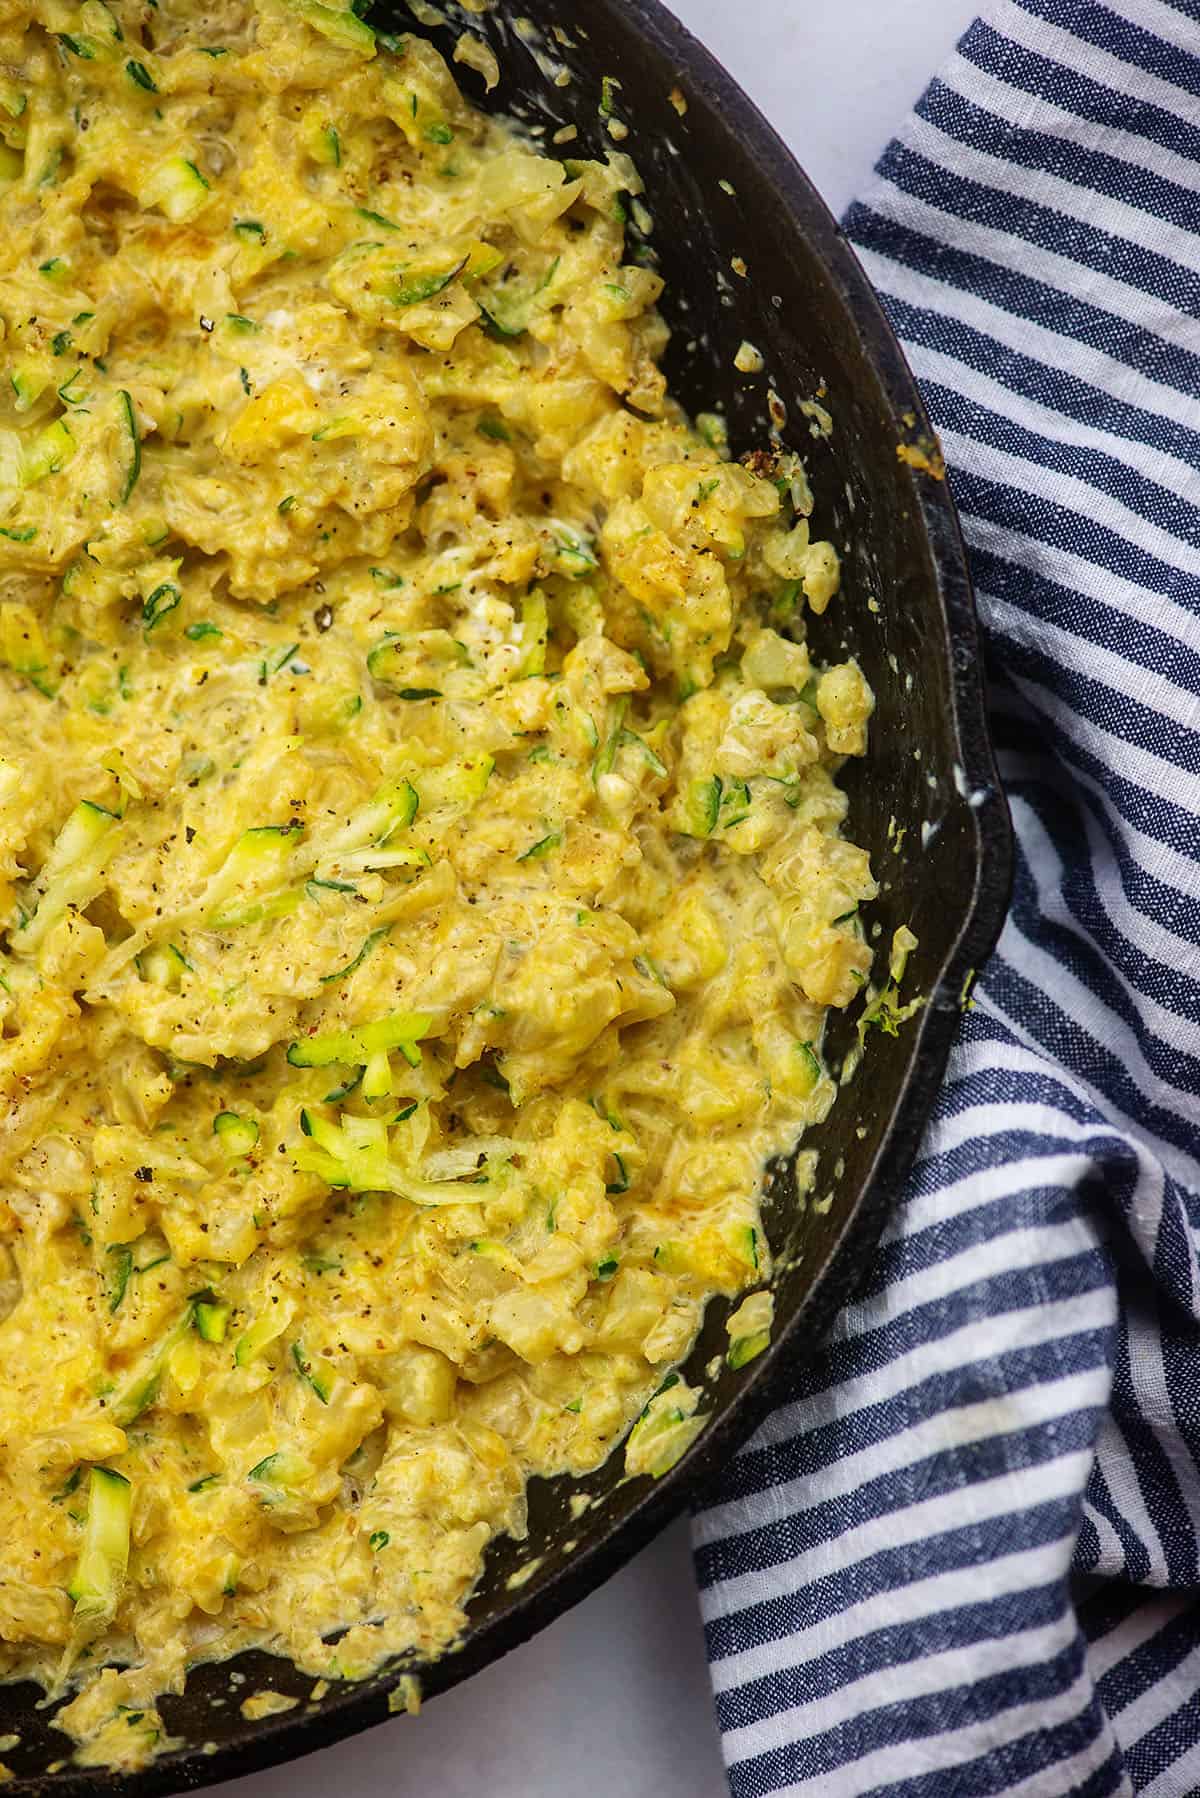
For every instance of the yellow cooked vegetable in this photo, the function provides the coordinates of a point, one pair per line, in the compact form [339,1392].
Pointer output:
[420,867]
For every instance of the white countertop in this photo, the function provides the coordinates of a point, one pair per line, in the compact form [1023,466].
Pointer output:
[614,1698]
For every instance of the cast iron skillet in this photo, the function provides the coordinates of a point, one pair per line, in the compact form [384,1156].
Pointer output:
[720,185]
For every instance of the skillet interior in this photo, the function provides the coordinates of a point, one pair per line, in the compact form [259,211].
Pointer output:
[808,308]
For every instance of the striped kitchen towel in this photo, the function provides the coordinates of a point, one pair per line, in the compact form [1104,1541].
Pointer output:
[963,1556]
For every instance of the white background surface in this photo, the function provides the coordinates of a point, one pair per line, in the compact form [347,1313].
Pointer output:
[614,1699]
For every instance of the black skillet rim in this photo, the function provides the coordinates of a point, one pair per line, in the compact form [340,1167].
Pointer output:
[271,1742]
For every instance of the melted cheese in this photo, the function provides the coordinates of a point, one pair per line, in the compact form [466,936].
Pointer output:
[419,853]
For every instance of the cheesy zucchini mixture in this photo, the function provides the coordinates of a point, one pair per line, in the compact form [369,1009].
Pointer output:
[420,868]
